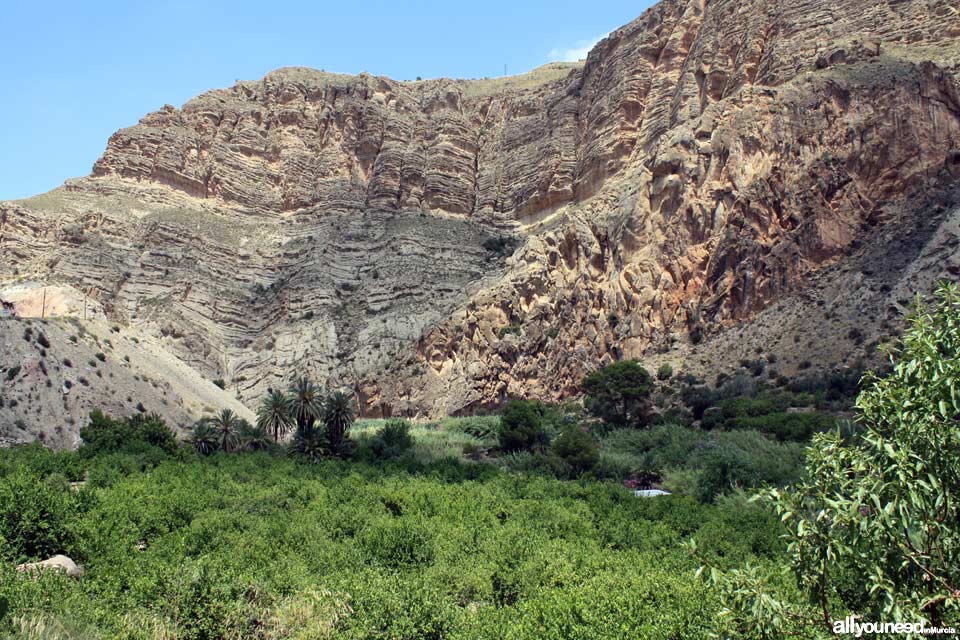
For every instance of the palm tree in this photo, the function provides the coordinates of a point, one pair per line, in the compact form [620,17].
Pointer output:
[252,438]
[338,416]
[226,424]
[306,405]
[203,438]
[274,415]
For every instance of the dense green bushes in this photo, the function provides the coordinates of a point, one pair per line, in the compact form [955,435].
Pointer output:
[714,462]
[136,433]
[258,546]
[392,440]
[35,514]
[782,415]
[577,448]
[520,426]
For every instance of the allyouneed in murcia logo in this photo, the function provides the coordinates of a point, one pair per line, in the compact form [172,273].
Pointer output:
[851,625]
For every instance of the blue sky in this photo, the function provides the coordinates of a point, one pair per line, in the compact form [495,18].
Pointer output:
[72,73]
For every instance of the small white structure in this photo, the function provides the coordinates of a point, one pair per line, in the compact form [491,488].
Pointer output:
[650,493]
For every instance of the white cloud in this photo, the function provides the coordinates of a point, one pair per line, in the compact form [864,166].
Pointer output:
[578,51]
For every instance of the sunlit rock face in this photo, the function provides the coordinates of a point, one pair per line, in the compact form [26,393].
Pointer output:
[713,179]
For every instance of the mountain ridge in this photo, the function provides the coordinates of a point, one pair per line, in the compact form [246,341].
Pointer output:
[440,245]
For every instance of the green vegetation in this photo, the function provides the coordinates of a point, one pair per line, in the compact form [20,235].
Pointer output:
[256,546]
[619,393]
[873,525]
[577,448]
[139,434]
[519,525]
[509,329]
[520,426]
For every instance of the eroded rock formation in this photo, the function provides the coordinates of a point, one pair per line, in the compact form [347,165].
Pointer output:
[708,164]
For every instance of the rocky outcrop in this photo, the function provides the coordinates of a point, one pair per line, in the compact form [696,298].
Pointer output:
[56,563]
[708,164]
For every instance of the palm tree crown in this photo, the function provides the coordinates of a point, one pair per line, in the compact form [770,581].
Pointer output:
[203,438]
[338,416]
[226,424]
[306,406]
[274,415]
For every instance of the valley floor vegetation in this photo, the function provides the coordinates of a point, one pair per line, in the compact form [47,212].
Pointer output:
[794,503]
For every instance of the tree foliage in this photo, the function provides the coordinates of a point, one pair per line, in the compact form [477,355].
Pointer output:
[338,416]
[619,393]
[576,447]
[203,438]
[306,404]
[521,426]
[227,426]
[103,434]
[874,528]
[274,415]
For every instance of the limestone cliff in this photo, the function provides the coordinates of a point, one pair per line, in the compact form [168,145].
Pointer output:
[714,167]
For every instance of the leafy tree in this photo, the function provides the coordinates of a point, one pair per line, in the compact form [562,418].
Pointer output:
[619,393]
[874,528]
[204,439]
[577,448]
[521,426]
[103,434]
[338,417]
[153,430]
[274,415]
[306,404]
[34,517]
[226,424]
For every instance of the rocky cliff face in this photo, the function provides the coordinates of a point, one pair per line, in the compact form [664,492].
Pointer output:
[710,164]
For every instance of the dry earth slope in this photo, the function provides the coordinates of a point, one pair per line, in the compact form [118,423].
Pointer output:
[718,179]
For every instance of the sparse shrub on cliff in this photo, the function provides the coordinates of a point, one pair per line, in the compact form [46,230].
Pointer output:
[509,329]
[665,372]
[500,245]
[13,371]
